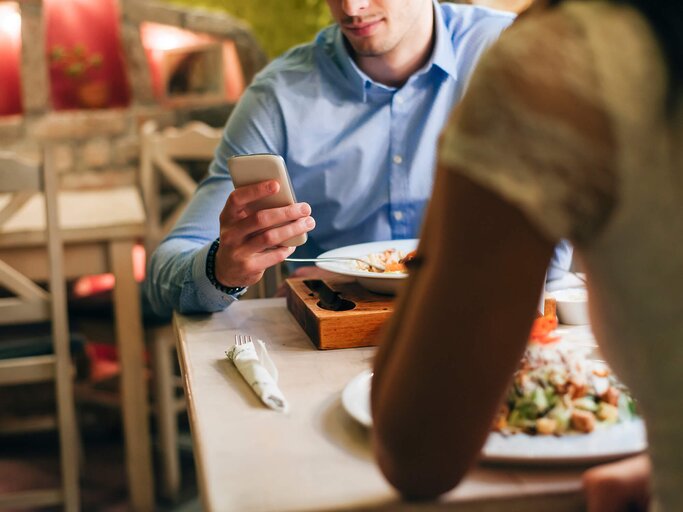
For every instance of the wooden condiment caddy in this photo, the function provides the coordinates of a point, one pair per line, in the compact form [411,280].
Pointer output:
[357,327]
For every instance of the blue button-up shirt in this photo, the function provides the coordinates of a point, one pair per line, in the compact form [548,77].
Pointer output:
[361,153]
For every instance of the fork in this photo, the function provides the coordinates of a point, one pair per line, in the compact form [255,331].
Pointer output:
[260,351]
[242,339]
[378,266]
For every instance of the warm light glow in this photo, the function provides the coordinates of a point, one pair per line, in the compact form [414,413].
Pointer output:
[234,79]
[139,260]
[164,37]
[10,21]
[98,283]
[10,57]
[92,285]
[158,39]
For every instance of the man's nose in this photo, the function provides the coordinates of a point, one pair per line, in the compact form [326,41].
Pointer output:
[354,7]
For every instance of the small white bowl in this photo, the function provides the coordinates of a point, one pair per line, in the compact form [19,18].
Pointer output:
[572,306]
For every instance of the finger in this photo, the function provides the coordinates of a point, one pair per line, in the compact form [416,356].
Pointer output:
[247,269]
[244,196]
[275,236]
[273,217]
[271,257]
[252,269]
[239,200]
[240,231]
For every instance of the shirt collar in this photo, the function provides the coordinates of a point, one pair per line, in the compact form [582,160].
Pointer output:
[358,80]
[443,57]
[443,54]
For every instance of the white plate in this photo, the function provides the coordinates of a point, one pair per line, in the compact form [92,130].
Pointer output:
[373,281]
[356,398]
[603,444]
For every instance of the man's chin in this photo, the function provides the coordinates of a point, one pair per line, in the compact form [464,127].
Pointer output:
[371,46]
[368,49]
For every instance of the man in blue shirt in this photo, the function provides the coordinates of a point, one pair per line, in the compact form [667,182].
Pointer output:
[356,115]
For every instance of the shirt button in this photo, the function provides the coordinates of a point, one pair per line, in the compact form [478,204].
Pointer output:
[398,215]
[398,159]
[399,99]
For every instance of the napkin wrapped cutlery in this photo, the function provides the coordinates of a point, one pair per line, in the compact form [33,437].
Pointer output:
[258,370]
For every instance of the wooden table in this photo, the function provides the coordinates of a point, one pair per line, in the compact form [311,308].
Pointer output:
[316,457]
[99,229]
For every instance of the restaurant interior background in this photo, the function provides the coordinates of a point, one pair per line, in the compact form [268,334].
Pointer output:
[84,77]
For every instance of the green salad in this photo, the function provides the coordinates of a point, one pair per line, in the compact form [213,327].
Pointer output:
[559,390]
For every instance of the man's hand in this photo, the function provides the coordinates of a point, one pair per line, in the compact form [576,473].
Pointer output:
[619,486]
[250,239]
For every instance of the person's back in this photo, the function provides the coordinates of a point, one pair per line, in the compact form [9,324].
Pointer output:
[627,224]
[569,129]
[635,265]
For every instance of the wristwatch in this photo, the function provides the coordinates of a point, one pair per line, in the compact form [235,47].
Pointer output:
[211,272]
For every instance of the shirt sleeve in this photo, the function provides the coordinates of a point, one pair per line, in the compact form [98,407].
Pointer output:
[176,278]
[532,129]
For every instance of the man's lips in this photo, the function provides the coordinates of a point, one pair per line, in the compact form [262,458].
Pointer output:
[362,29]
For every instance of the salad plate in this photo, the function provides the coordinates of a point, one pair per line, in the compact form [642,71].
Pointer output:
[386,283]
[603,444]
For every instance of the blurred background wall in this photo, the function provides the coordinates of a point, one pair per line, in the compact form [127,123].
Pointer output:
[277,24]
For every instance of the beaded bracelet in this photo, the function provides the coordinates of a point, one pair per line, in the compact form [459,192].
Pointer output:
[211,272]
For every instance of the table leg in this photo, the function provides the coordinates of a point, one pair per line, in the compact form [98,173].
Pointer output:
[130,344]
[167,416]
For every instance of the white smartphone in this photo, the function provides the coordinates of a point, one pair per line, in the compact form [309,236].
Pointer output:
[250,169]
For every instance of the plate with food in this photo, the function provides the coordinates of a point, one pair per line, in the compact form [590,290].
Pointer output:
[563,407]
[390,254]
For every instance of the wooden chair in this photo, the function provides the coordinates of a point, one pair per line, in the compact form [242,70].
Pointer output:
[160,157]
[99,228]
[161,151]
[27,302]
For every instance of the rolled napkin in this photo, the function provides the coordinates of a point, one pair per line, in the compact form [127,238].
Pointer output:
[259,372]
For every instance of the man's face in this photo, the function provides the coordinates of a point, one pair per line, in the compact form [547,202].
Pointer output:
[377,27]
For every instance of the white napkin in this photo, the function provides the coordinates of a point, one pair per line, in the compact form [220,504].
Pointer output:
[258,370]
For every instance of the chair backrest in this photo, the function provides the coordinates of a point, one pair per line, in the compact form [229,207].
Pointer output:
[27,302]
[161,151]
[24,301]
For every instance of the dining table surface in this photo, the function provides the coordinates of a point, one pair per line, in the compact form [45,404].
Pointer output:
[315,457]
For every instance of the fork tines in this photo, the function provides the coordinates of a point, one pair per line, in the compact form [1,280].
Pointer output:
[242,339]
